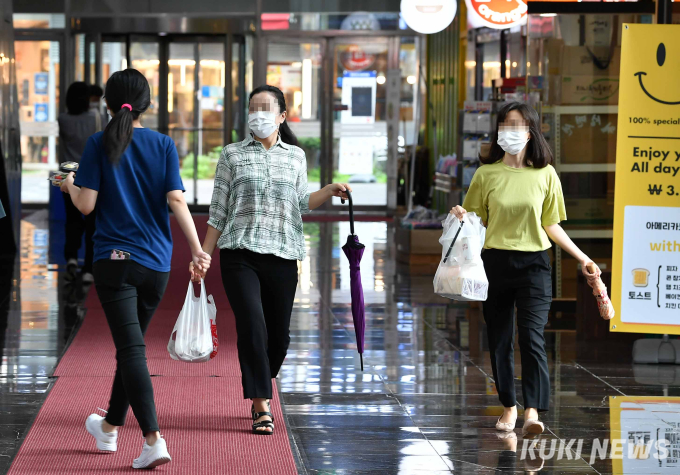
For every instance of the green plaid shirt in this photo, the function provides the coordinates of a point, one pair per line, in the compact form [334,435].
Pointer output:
[259,198]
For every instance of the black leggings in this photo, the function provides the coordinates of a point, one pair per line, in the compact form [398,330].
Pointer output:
[129,294]
[522,280]
[76,224]
[261,291]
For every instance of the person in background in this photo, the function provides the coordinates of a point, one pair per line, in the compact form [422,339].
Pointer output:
[518,196]
[256,211]
[96,94]
[76,125]
[132,175]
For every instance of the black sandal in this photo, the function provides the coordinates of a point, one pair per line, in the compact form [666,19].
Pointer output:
[263,424]
[252,411]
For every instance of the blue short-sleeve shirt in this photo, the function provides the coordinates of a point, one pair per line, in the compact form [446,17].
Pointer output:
[132,210]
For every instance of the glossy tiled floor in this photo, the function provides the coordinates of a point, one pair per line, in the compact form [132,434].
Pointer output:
[38,313]
[424,403]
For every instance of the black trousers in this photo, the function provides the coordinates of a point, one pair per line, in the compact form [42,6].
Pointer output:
[521,280]
[130,294]
[261,291]
[76,224]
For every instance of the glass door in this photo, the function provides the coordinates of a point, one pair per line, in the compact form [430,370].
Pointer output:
[189,78]
[38,69]
[359,144]
[114,57]
[144,57]
[294,66]
[196,85]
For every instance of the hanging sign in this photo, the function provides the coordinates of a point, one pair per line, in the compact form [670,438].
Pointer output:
[498,14]
[646,247]
[428,16]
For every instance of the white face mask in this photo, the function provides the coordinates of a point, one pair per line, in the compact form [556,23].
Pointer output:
[512,141]
[262,124]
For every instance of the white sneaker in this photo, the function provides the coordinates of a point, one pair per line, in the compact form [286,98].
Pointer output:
[106,441]
[88,278]
[153,455]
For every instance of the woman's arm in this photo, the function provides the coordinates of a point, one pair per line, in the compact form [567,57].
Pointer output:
[218,211]
[179,207]
[83,198]
[211,238]
[209,244]
[559,236]
[318,198]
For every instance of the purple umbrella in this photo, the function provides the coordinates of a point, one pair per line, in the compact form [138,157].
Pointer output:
[354,250]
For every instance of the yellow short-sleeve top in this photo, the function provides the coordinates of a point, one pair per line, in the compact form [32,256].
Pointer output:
[516,203]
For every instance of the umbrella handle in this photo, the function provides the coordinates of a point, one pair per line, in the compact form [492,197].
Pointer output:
[446,258]
[351,210]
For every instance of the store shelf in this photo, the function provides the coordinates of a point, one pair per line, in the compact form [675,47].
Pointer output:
[590,233]
[586,167]
[585,109]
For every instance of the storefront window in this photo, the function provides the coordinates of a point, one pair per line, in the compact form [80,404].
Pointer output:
[39,20]
[360,127]
[79,58]
[491,66]
[37,70]
[144,58]
[113,59]
[295,68]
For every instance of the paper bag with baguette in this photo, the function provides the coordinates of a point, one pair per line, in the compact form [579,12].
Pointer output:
[600,292]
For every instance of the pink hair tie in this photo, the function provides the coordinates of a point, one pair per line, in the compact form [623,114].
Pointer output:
[128,106]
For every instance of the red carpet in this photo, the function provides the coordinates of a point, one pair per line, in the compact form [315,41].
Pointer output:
[203,418]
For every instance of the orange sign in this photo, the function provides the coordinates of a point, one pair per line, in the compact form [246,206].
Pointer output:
[499,14]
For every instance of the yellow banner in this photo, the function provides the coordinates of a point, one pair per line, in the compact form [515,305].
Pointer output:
[646,253]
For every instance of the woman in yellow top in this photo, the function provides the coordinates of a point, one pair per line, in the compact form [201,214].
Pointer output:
[518,196]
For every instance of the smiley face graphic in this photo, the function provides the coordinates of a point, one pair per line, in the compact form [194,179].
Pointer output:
[660,60]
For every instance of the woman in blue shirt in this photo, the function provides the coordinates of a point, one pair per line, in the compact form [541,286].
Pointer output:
[132,174]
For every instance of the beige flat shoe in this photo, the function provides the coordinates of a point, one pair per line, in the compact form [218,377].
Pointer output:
[505,426]
[533,427]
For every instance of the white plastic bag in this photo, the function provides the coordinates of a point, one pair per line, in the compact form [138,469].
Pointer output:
[194,338]
[461,274]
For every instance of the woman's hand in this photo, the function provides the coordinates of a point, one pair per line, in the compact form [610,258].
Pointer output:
[458,211]
[201,260]
[196,275]
[67,181]
[319,197]
[590,270]
[199,265]
[339,189]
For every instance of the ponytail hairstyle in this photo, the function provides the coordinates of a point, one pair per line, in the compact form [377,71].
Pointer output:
[127,88]
[287,135]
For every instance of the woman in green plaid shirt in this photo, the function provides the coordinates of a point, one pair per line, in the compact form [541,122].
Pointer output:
[256,212]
